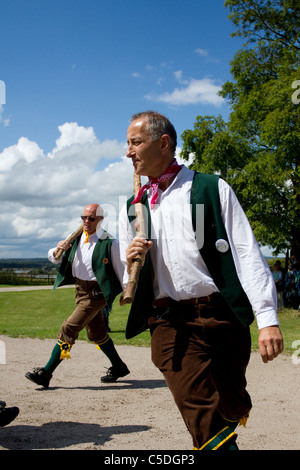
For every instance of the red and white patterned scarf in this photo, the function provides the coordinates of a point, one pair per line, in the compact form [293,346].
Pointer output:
[153,183]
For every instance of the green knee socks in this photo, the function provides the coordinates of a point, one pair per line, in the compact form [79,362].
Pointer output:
[60,351]
[107,346]
[54,360]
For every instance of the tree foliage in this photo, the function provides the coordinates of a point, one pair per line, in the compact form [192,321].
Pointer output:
[257,151]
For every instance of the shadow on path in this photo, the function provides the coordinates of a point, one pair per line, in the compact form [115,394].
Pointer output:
[60,435]
[124,384]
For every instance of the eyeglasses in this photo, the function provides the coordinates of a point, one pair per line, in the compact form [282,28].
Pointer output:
[90,219]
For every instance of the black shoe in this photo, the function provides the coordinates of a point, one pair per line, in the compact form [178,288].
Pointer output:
[39,376]
[114,373]
[7,414]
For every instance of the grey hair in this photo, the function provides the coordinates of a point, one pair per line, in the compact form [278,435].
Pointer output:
[157,125]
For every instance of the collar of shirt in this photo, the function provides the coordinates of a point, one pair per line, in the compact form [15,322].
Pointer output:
[182,176]
[93,238]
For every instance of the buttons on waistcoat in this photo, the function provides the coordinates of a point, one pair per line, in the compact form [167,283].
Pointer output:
[222,245]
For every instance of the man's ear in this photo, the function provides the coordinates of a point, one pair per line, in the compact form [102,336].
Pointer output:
[165,142]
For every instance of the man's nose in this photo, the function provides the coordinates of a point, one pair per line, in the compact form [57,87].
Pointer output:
[129,151]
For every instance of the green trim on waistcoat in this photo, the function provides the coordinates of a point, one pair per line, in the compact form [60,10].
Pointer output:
[220,265]
[101,265]
[104,271]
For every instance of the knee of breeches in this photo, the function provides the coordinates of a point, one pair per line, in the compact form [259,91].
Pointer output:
[68,333]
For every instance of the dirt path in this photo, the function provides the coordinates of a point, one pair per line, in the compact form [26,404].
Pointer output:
[138,413]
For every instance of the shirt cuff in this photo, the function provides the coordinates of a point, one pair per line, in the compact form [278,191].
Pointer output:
[267,318]
[51,257]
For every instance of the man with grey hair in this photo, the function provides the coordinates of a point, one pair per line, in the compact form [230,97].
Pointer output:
[198,299]
[92,262]
[158,125]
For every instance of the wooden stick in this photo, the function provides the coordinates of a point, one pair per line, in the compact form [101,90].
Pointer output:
[129,292]
[70,239]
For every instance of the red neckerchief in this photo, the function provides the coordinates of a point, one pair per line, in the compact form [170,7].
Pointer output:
[153,183]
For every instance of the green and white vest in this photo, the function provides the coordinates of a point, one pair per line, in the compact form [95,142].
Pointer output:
[220,264]
[101,265]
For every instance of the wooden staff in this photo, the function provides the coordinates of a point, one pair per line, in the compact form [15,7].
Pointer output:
[128,294]
[70,239]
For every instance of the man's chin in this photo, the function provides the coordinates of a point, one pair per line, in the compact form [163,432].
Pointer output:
[139,171]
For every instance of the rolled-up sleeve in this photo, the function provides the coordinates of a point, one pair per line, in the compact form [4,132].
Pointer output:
[51,257]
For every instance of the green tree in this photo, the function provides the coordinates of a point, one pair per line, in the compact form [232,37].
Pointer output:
[257,151]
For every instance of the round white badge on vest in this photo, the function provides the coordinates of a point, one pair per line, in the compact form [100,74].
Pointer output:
[222,245]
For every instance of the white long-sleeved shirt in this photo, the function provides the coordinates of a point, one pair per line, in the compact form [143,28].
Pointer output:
[179,270]
[82,262]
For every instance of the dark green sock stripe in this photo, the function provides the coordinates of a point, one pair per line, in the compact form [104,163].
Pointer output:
[54,360]
[108,348]
[223,437]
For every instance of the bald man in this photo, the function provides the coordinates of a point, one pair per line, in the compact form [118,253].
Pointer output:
[93,264]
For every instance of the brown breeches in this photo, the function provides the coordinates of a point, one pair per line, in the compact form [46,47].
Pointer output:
[203,352]
[87,314]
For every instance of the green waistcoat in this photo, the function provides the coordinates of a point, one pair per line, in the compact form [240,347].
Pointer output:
[220,264]
[101,265]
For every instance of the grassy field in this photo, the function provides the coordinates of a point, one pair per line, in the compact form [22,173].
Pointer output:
[39,314]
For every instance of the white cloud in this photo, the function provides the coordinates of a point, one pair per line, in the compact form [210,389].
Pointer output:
[205,53]
[42,196]
[72,134]
[181,160]
[193,91]
[179,77]
[24,151]
[201,52]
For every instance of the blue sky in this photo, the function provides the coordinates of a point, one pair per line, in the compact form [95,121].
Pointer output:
[73,72]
